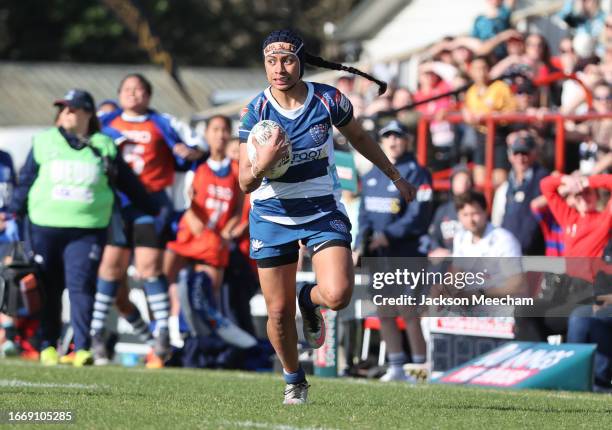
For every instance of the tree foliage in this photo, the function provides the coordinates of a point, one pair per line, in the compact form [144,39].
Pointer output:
[196,32]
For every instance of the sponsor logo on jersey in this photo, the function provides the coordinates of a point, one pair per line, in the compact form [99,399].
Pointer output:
[138,136]
[319,133]
[338,225]
[256,244]
[383,205]
[306,155]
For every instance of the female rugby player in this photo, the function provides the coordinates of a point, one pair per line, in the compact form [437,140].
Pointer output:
[304,203]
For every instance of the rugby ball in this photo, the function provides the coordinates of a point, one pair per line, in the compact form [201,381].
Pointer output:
[260,135]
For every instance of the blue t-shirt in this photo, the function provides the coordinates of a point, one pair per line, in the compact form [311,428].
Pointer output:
[310,188]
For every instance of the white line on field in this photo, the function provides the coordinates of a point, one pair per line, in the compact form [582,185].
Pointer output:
[260,425]
[18,383]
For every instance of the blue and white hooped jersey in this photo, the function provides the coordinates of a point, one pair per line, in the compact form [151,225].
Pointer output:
[310,188]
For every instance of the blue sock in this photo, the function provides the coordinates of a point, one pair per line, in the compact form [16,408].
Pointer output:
[105,295]
[305,299]
[156,290]
[139,326]
[295,377]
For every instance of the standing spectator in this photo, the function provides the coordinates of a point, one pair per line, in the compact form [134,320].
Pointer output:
[396,231]
[65,189]
[512,199]
[595,136]
[482,98]
[445,223]
[586,230]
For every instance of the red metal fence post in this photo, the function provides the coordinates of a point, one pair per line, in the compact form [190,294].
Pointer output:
[489,160]
[422,130]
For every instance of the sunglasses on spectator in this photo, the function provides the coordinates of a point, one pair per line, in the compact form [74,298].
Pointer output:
[525,153]
[566,51]
[602,98]
[608,24]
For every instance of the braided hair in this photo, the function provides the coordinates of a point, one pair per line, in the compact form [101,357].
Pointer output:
[291,37]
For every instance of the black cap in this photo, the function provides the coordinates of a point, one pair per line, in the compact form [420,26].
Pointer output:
[523,144]
[393,127]
[77,99]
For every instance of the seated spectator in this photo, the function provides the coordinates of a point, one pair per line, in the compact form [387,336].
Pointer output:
[594,325]
[495,19]
[535,63]
[596,135]
[583,16]
[550,228]
[482,98]
[511,205]
[573,96]
[479,238]
[586,230]
[431,84]
[567,58]
[445,224]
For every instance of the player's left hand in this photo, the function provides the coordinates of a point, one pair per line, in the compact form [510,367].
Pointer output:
[407,190]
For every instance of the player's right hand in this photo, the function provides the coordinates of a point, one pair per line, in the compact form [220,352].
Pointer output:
[406,189]
[269,155]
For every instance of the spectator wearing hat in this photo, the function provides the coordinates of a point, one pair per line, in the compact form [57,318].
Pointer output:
[396,226]
[445,223]
[65,188]
[512,200]
[388,227]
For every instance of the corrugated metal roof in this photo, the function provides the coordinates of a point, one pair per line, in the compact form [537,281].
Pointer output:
[27,90]
[367,18]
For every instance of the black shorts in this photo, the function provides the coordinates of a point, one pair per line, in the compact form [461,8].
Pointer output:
[500,151]
[126,234]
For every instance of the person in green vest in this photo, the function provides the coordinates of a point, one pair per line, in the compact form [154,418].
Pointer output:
[66,190]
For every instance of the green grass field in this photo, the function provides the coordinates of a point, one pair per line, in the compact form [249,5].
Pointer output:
[121,398]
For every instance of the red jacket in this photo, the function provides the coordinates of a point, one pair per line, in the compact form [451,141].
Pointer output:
[585,235]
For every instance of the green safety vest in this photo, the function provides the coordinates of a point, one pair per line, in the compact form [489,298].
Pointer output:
[71,189]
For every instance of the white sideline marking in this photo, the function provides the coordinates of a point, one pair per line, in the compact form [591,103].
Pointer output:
[18,383]
[259,425]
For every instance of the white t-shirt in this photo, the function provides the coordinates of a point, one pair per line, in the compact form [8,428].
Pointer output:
[496,242]
[497,254]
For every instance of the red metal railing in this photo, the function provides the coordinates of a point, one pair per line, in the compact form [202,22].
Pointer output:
[491,122]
